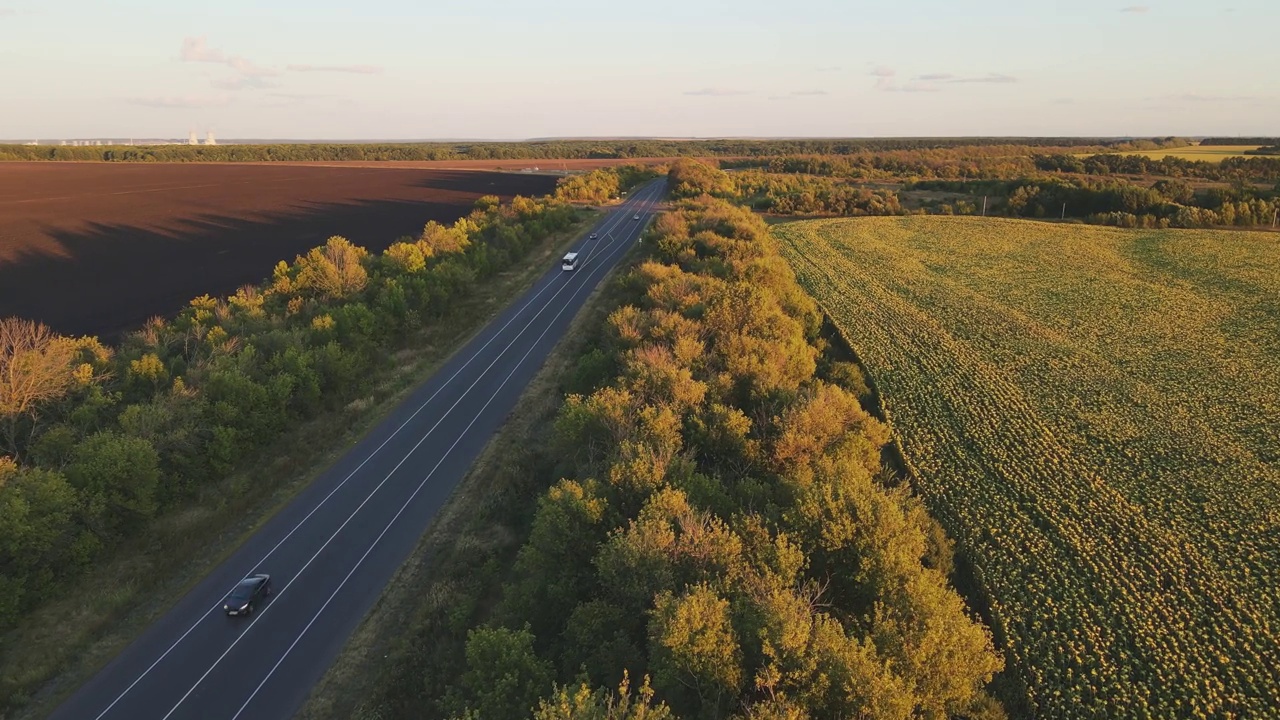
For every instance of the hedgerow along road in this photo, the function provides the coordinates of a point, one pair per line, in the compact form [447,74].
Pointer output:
[332,550]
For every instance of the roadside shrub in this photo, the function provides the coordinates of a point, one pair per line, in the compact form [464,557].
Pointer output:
[116,475]
[720,521]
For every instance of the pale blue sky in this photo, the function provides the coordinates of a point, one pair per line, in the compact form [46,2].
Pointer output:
[516,69]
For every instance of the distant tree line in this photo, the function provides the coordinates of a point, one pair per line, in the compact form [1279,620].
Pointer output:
[721,527]
[996,161]
[1167,203]
[96,441]
[1256,169]
[600,186]
[1265,150]
[780,194]
[808,195]
[1240,141]
[533,150]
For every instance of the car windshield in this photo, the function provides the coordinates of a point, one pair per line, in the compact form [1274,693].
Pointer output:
[243,591]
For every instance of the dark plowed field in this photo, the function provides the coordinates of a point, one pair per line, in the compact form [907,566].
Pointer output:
[99,248]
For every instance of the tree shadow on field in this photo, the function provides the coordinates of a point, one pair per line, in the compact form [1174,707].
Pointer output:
[488,182]
[109,278]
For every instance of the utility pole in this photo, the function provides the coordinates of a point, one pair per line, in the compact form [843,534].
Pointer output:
[1274,215]
[984,206]
[1064,211]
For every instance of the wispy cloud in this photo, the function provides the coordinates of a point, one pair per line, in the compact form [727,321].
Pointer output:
[285,99]
[715,92]
[884,77]
[244,81]
[1195,98]
[997,78]
[196,49]
[7,11]
[934,82]
[245,67]
[1138,9]
[798,93]
[911,87]
[357,69]
[185,101]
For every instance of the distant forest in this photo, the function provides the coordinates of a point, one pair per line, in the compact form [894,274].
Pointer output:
[554,149]
[1240,141]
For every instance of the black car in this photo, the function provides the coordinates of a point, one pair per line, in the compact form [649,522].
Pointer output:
[248,592]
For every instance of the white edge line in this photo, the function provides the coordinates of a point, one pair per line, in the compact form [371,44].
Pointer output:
[417,490]
[296,575]
[339,486]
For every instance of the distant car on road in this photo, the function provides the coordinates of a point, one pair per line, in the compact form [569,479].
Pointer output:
[248,592]
[595,235]
[636,216]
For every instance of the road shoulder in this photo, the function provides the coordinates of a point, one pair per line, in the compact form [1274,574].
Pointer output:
[90,626]
[459,563]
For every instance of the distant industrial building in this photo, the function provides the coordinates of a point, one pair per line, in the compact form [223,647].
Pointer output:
[193,138]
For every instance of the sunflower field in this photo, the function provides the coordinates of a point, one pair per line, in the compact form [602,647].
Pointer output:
[1094,415]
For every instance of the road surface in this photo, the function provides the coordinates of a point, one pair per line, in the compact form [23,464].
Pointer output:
[331,551]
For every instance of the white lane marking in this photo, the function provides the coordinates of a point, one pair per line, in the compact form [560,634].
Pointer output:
[352,474]
[422,484]
[299,573]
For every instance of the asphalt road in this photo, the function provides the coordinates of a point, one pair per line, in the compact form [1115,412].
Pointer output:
[332,550]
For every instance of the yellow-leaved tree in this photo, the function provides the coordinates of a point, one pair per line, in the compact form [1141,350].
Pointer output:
[36,366]
[335,270]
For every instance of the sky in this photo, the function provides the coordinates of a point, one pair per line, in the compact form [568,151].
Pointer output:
[516,69]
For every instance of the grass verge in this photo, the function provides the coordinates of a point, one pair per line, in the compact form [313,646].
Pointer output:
[63,643]
[458,567]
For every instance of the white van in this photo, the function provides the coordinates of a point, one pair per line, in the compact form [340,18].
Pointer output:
[570,261]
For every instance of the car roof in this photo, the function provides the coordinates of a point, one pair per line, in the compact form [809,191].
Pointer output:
[570,256]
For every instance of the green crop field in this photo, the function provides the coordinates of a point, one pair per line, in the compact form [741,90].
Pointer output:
[1094,414]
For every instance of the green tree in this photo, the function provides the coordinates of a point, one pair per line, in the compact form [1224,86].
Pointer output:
[1178,191]
[553,569]
[39,537]
[116,476]
[694,649]
[504,677]
[602,640]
